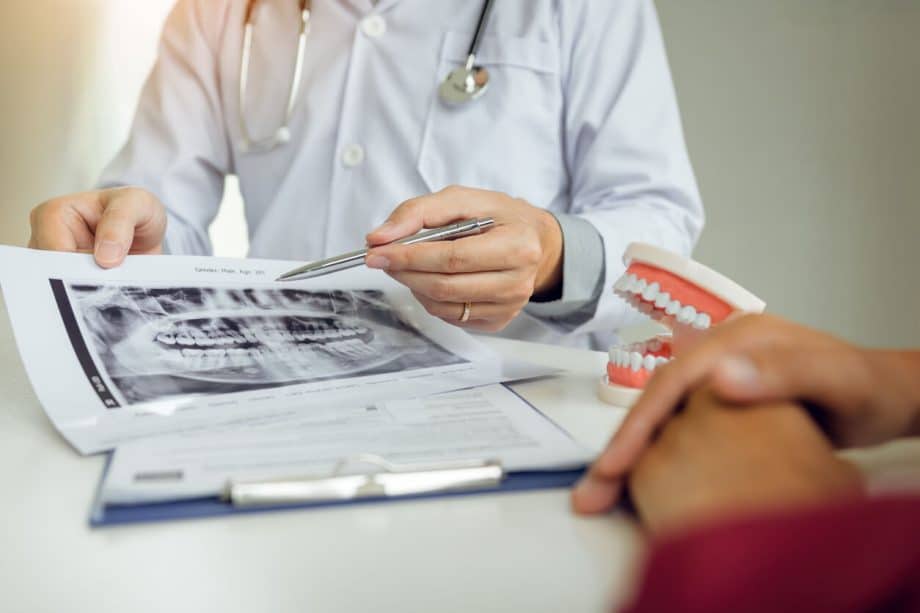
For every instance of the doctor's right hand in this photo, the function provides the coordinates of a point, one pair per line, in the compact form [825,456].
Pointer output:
[111,223]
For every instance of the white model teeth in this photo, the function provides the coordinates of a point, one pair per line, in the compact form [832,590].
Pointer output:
[686,315]
[702,322]
[635,361]
[634,358]
[642,295]
[640,286]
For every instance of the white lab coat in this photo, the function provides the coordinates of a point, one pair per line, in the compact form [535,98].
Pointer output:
[580,118]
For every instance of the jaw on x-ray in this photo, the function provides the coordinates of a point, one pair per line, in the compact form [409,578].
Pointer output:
[159,342]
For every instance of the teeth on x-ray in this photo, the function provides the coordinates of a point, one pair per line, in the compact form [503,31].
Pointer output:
[160,342]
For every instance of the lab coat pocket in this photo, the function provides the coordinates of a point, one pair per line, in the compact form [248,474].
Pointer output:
[507,140]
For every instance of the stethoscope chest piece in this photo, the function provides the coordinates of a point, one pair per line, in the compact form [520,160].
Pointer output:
[468,82]
[465,83]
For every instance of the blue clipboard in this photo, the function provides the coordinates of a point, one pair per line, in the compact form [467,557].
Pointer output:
[103,515]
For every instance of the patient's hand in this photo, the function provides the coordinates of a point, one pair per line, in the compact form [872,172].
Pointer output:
[111,223]
[861,396]
[712,461]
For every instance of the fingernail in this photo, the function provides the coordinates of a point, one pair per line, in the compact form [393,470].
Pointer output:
[588,487]
[739,370]
[109,252]
[377,261]
[593,496]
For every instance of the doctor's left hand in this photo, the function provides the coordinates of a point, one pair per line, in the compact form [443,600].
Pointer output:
[497,272]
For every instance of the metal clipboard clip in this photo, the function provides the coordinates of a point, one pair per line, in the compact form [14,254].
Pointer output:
[393,480]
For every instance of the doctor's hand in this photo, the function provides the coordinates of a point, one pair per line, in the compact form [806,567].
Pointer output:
[497,272]
[111,223]
[858,396]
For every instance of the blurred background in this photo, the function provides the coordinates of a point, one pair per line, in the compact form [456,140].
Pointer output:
[802,118]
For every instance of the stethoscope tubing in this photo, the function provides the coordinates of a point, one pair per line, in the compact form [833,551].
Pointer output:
[282,135]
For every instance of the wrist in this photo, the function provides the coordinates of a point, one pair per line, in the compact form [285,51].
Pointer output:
[908,369]
[898,388]
[549,271]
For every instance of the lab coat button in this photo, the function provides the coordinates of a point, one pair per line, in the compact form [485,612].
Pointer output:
[374,26]
[353,155]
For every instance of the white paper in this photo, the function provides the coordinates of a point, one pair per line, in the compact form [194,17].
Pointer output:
[490,422]
[165,343]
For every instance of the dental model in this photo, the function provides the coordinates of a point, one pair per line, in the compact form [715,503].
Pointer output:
[680,294]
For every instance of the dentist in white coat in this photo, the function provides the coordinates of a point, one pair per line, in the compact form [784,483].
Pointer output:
[575,148]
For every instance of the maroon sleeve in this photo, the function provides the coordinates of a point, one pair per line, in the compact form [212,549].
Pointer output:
[853,557]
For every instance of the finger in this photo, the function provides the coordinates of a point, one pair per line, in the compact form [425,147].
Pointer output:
[448,205]
[673,381]
[495,287]
[837,378]
[62,224]
[52,236]
[491,252]
[594,494]
[480,312]
[124,213]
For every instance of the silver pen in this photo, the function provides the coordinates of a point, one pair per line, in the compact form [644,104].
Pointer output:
[356,258]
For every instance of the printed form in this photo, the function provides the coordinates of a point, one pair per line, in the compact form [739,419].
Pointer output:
[488,423]
[168,344]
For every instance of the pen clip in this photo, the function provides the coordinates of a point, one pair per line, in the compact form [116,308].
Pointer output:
[392,481]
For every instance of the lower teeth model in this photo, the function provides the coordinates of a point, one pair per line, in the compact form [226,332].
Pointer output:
[677,292]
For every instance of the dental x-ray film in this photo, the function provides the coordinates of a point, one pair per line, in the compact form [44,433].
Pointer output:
[172,344]
[141,344]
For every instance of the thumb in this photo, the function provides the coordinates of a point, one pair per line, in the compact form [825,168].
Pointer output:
[115,231]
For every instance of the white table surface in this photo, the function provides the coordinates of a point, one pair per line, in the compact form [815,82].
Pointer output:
[502,552]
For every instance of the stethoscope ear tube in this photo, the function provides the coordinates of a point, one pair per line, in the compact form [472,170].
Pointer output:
[282,135]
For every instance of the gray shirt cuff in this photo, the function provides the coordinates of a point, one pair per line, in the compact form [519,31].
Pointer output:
[583,268]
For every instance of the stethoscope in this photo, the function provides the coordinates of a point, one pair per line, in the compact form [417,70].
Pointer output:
[463,84]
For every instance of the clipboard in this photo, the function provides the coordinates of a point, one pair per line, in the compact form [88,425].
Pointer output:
[463,479]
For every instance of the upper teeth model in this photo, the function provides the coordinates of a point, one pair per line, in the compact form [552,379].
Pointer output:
[677,292]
